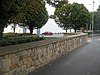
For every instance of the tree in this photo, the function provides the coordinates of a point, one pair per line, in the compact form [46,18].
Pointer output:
[80,17]
[97,20]
[98,8]
[36,15]
[9,8]
[16,19]
[33,15]
[63,17]
[72,15]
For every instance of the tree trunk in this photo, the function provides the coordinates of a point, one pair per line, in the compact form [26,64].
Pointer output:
[14,28]
[75,29]
[24,29]
[70,30]
[2,26]
[1,33]
[66,30]
[31,29]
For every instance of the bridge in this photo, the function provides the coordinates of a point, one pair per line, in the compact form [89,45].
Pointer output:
[84,60]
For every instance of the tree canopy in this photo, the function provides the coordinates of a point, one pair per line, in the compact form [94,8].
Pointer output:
[36,15]
[63,16]
[9,8]
[31,12]
[97,20]
[72,15]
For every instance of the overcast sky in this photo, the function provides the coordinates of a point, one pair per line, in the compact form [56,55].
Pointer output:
[88,4]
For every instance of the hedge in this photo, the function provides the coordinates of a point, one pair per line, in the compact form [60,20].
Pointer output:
[6,41]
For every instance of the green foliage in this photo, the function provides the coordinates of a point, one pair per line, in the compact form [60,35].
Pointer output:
[18,40]
[8,35]
[36,15]
[63,16]
[97,20]
[72,16]
[98,8]
[9,8]
[29,12]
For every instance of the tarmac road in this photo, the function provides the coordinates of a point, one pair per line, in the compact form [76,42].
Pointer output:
[84,60]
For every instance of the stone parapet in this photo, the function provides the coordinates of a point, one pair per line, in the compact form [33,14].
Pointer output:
[23,58]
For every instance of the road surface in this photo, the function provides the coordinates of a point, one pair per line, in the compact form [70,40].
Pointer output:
[84,60]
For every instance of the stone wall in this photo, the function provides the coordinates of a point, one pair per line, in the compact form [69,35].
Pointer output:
[23,58]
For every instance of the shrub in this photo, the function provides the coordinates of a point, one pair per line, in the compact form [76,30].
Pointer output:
[7,35]
[18,40]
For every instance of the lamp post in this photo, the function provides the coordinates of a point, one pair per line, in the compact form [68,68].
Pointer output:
[90,26]
[93,19]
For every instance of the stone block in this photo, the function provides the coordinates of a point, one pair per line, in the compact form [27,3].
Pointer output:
[6,56]
[13,58]
[32,54]
[6,73]
[17,70]
[12,72]
[24,52]
[24,68]
[38,51]
[20,63]
[40,56]
[37,63]
[4,70]
[1,57]
[13,66]
[44,50]
[26,56]
[29,51]
[45,54]
[21,58]
[35,57]
[28,65]
[22,73]
[4,62]
[30,69]
[33,63]
[25,61]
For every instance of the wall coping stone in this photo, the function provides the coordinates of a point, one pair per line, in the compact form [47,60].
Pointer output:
[21,47]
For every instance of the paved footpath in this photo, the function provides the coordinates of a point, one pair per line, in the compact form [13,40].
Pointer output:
[84,60]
